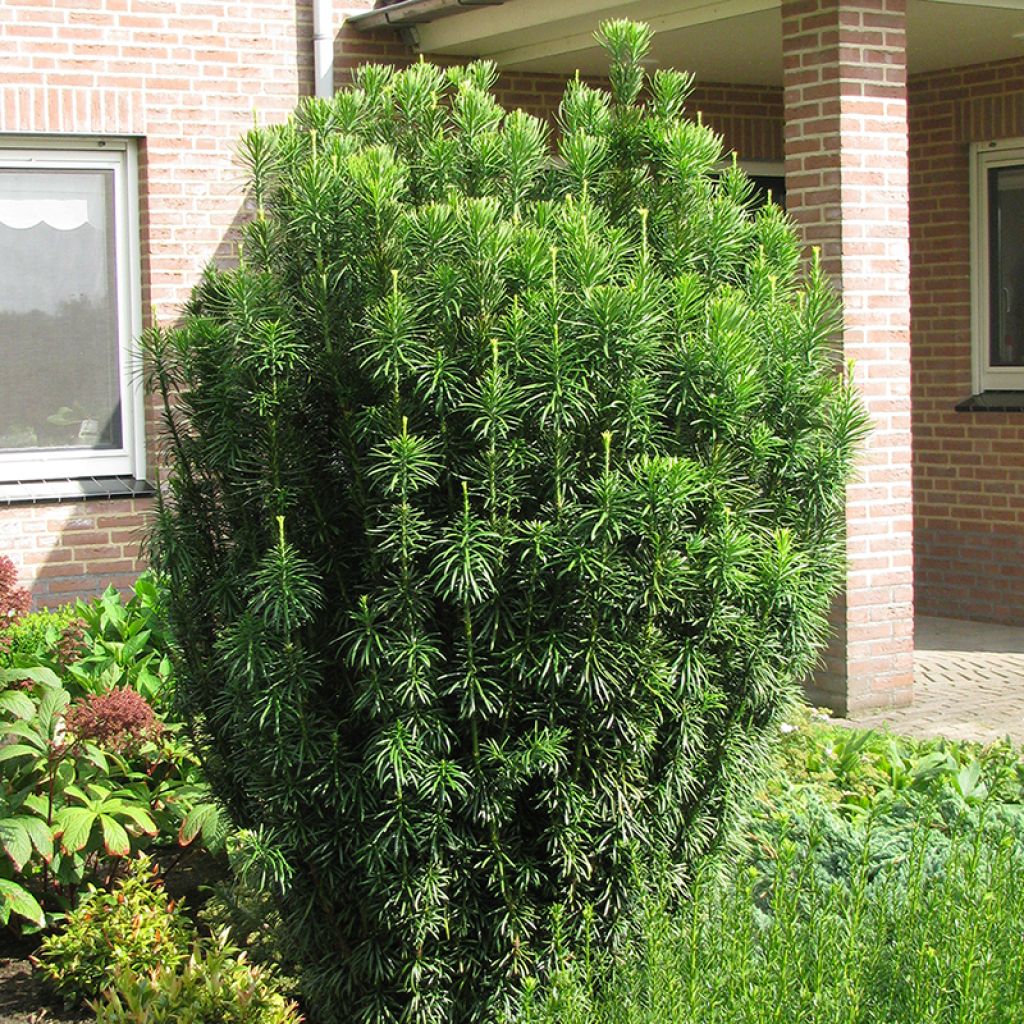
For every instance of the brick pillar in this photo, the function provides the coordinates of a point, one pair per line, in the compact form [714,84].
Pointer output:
[846,187]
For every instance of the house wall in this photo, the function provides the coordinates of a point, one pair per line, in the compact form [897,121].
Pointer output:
[185,78]
[969,466]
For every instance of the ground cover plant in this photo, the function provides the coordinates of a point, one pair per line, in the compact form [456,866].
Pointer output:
[880,883]
[504,495]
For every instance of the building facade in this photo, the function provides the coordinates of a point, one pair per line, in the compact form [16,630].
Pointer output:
[898,126]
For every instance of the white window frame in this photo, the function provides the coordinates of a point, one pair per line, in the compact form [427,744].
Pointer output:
[764,168]
[119,155]
[985,156]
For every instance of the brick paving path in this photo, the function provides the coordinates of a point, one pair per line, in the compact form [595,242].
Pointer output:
[968,683]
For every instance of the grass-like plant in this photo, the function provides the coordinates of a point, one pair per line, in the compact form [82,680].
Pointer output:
[880,884]
[904,947]
[502,515]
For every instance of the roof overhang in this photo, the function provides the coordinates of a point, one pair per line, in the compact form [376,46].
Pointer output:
[720,40]
[414,12]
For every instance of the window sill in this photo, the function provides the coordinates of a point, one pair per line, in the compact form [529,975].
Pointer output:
[993,401]
[34,492]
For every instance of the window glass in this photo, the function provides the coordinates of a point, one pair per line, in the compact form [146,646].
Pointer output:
[1006,266]
[59,332]
[769,186]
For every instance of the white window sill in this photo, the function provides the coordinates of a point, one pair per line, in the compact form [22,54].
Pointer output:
[32,492]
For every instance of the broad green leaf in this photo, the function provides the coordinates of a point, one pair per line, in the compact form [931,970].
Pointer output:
[40,834]
[115,839]
[94,756]
[26,730]
[51,707]
[16,703]
[14,899]
[76,794]
[148,684]
[15,840]
[37,673]
[36,803]
[134,646]
[199,820]
[139,816]
[12,751]
[74,825]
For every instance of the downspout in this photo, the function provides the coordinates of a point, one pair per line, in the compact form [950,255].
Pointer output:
[323,49]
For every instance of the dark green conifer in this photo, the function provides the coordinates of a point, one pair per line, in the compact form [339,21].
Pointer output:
[502,517]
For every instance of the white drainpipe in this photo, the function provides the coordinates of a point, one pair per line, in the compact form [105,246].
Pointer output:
[323,49]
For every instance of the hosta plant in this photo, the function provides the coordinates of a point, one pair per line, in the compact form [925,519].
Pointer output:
[504,491]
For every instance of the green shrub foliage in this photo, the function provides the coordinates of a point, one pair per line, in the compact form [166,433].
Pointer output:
[214,985]
[135,927]
[501,520]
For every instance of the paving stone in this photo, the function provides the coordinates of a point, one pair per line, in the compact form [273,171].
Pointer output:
[968,684]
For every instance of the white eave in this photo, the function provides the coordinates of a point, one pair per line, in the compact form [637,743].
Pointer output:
[720,40]
[414,12]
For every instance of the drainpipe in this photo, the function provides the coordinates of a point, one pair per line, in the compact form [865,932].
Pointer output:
[323,49]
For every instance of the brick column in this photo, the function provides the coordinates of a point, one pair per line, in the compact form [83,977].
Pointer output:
[846,187]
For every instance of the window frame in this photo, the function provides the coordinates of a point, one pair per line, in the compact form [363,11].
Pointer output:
[121,156]
[986,156]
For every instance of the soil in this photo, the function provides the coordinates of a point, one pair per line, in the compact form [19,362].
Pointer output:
[23,1000]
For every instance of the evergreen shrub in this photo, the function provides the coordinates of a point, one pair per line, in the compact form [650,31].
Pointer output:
[502,516]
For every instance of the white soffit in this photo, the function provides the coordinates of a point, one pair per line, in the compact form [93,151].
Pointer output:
[719,40]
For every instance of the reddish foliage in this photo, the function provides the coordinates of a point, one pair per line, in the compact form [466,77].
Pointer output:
[14,600]
[71,645]
[119,720]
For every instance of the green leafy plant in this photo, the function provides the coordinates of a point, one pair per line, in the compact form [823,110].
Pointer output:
[124,644]
[99,645]
[84,785]
[35,636]
[133,927]
[861,800]
[63,809]
[244,904]
[215,984]
[901,946]
[502,517]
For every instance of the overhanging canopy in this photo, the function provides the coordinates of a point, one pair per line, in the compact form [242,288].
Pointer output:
[720,40]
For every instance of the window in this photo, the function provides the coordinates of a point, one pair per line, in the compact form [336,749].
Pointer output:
[769,180]
[997,265]
[70,393]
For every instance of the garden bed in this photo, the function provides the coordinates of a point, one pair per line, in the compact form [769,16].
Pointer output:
[23,1000]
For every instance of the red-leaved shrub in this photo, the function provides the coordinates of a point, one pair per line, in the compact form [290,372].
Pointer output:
[120,720]
[71,645]
[14,600]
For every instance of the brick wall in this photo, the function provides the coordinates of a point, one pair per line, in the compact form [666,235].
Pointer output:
[185,77]
[74,549]
[969,467]
[846,186]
